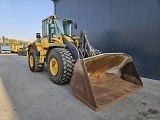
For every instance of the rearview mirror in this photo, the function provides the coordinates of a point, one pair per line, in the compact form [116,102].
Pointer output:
[38,35]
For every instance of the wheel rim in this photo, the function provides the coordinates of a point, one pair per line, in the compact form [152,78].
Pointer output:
[31,61]
[54,66]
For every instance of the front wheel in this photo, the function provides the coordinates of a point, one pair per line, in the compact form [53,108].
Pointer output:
[34,65]
[60,65]
[97,52]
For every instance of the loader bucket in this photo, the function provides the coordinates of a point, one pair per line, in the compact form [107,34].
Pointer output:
[104,79]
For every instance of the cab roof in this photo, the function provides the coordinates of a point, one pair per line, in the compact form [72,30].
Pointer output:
[54,17]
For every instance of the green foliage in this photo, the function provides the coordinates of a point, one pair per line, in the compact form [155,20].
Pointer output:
[12,42]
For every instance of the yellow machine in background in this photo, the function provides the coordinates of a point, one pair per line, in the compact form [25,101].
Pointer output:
[23,51]
[97,79]
[16,48]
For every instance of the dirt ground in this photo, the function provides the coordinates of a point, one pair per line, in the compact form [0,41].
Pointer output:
[25,95]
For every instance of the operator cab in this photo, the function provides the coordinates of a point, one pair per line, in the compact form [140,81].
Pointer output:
[54,26]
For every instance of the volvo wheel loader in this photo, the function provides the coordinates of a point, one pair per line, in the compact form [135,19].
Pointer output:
[97,79]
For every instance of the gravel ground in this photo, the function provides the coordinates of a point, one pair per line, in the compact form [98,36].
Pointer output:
[25,95]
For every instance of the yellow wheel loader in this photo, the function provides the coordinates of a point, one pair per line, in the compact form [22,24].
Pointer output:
[97,79]
[16,48]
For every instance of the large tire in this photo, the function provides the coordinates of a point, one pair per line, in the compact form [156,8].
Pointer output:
[60,65]
[33,60]
[20,53]
[97,52]
[24,53]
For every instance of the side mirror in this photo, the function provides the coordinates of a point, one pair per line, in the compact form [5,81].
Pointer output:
[38,35]
[75,25]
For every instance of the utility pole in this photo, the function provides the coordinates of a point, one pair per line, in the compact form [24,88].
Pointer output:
[54,2]
[4,41]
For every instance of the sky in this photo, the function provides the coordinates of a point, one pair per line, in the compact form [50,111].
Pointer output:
[22,19]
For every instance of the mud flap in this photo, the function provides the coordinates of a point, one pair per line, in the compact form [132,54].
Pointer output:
[104,79]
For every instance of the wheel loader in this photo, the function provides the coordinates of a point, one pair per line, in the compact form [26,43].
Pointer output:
[16,48]
[98,79]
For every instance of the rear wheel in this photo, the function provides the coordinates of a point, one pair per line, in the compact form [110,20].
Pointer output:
[60,65]
[33,60]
